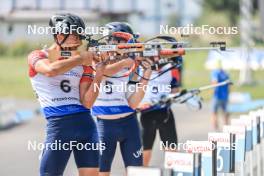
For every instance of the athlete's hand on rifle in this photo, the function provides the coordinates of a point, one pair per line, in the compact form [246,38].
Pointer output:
[101,57]
[146,64]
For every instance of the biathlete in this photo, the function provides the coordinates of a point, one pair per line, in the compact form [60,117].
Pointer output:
[65,90]
[115,110]
[155,118]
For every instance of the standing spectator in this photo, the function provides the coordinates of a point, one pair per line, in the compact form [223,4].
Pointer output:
[220,97]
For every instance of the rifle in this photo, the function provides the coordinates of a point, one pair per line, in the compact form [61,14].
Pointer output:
[185,95]
[148,49]
[154,49]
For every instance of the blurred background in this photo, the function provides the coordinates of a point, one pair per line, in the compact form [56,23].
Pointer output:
[244,62]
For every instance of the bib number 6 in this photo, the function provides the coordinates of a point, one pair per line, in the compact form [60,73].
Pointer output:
[65,86]
[108,86]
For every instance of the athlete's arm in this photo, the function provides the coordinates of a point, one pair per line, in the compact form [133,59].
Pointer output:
[135,99]
[114,68]
[89,89]
[49,69]
[44,66]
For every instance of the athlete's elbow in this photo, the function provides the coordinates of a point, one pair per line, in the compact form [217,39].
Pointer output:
[87,104]
[133,105]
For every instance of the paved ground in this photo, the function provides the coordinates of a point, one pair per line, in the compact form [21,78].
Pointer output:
[16,159]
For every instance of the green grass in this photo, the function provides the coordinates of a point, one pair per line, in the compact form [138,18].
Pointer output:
[14,79]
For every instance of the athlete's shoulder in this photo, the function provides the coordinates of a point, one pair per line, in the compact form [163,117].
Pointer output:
[36,55]
[33,57]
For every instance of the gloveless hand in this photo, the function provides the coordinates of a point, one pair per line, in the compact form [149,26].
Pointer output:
[146,64]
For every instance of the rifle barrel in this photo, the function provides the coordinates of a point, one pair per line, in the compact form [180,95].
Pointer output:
[214,85]
[201,48]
